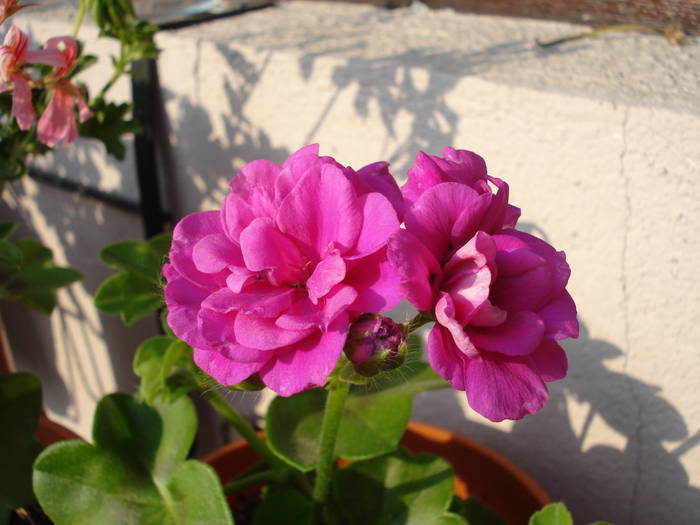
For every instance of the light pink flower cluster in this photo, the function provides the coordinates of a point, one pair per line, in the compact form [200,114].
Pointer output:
[270,283]
[58,120]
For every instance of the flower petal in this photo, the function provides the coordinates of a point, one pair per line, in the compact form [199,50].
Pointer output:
[216,252]
[263,334]
[328,272]
[550,361]
[377,283]
[223,369]
[308,363]
[379,222]
[322,211]
[259,299]
[520,334]
[265,248]
[445,358]
[418,271]
[559,317]
[500,388]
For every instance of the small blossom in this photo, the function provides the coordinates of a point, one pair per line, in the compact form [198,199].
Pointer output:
[14,55]
[375,344]
[58,120]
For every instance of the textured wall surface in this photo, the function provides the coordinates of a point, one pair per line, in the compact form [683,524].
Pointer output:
[598,140]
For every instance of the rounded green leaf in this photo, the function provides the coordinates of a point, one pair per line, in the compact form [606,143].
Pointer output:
[284,505]
[395,489]
[133,256]
[372,424]
[130,295]
[552,514]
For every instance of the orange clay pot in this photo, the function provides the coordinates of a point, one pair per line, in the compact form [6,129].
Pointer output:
[479,471]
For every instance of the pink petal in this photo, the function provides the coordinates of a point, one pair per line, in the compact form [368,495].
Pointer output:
[379,222]
[224,370]
[559,317]
[433,215]
[263,334]
[217,329]
[255,184]
[236,215]
[308,363]
[58,120]
[520,334]
[215,252]
[418,270]
[328,272]
[183,299]
[259,299]
[445,358]
[530,291]
[377,178]
[499,388]
[377,283]
[22,107]
[265,248]
[304,314]
[187,233]
[424,174]
[445,314]
[549,361]
[322,211]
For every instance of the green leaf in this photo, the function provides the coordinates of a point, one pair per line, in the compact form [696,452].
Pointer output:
[109,124]
[165,367]
[450,518]
[284,505]
[133,256]
[41,278]
[197,495]
[475,512]
[10,253]
[129,295]
[135,473]
[7,228]
[34,253]
[20,406]
[43,301]
[396,489]
[552,514]
[372,424]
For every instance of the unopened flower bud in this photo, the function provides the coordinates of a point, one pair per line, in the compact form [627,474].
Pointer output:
[375,344]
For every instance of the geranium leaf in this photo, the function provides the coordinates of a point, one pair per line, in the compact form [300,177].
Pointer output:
[284,505]
[398,488]
[135,473]
[372,424]
[552,514]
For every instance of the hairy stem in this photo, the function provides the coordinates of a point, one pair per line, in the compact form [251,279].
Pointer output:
[338,392]
[244,429]
[240,484]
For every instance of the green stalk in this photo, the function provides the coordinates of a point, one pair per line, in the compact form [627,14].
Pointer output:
[119,69]
[240,484]
[338,393]
[82,10]
[244,429]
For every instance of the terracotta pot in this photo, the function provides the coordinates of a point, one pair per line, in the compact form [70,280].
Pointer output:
[480,471]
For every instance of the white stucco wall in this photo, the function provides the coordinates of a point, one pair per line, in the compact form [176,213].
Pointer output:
[599,141]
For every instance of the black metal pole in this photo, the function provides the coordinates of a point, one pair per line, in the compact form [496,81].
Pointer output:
[145,92]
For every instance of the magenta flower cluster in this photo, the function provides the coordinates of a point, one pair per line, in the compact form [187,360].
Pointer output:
[270,283]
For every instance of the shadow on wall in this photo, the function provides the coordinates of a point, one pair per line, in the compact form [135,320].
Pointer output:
[397,84]
[78,353]
[639,482]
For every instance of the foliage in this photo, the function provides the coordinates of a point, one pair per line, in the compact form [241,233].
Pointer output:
[135,291]
[27,271]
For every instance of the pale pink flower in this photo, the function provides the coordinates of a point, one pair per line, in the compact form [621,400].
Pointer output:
[498,295]
[58,120]
[9,8]
[14,55]
[270,283]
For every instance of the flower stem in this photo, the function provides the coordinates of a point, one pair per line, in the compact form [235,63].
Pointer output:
[82,9]
[419,320]
[240,484]
[244,429]
[119,68]
[338,392]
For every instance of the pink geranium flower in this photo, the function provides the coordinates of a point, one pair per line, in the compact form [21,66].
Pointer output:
[58,120]
[270,283]
[14,55]
[498,294]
